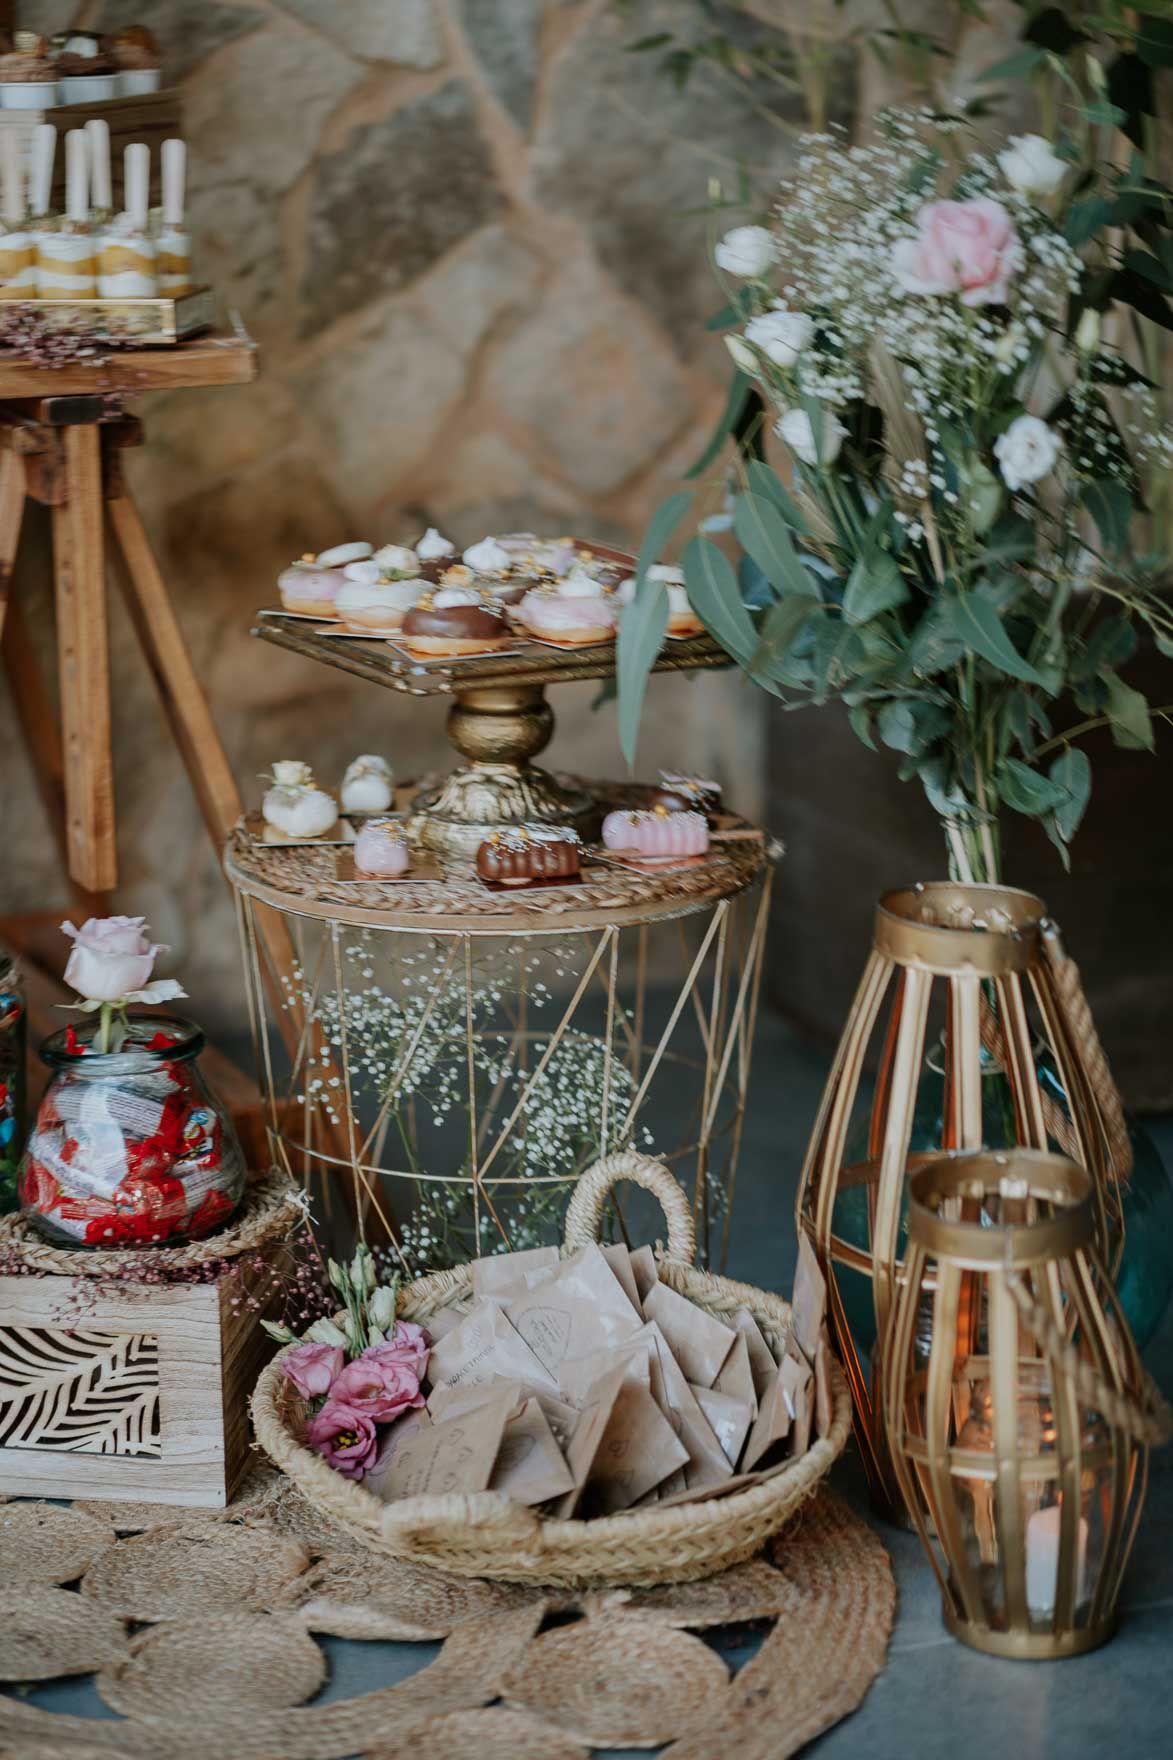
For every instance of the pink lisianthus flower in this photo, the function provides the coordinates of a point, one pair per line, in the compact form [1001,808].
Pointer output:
[313,1368]
[380,1389]
[968,248]
[345,1437]
[407,1344]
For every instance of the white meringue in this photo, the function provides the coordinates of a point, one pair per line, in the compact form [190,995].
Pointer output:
[487,557]
[455,596]
[578,584]
[341,554]
[368,785]
[365,572]
[432,545]
[397,559]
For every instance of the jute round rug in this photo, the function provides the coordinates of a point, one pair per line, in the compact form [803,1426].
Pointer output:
[230,1604]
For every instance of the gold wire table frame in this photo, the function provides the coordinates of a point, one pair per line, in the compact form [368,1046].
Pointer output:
[474,1051]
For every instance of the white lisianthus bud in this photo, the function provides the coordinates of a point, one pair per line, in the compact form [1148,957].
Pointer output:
[1096,77]
[381,1307]
[747,251]
[742,353]
[1008,344]
[795,428]
[1030,166]
[1026,452]
[362,1270]
[353,1331]
[325,1332]
[781,335]
[1088,332]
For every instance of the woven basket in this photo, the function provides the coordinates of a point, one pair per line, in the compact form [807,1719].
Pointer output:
[487,1534]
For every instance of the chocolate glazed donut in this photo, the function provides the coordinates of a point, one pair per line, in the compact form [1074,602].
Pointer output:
[509,860]
[463,623]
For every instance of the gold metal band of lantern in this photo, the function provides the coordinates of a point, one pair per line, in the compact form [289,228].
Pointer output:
[1022,1439]
[984,967]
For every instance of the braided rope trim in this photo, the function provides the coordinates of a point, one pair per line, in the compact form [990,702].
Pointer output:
[1082,1027]
[272,1206]
[1148,1420]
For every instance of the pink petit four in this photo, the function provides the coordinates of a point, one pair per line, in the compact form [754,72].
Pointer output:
[381,848]
[656,835]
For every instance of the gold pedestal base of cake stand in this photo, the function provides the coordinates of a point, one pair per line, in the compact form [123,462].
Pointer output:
[498,728]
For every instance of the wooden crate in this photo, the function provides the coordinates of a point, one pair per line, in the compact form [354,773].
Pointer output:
[139,1394]
[154,117]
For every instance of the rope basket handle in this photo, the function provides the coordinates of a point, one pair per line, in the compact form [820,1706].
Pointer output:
[1148,1420]
[584,1214]
[1081,1025]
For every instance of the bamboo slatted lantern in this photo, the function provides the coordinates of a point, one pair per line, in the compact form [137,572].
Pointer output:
[1020,1440]
[987,965]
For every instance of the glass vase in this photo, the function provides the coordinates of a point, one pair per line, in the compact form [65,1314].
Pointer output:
[130,1146]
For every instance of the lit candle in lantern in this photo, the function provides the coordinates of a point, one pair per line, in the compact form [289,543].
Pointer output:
[1042,1560]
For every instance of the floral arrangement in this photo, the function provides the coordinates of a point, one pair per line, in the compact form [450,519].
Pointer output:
[358,1373]
[953,551]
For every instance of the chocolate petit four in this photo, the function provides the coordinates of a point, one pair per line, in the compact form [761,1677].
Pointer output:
[455,619]
[525,854]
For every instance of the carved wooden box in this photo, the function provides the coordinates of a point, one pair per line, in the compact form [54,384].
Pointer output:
[139,1392]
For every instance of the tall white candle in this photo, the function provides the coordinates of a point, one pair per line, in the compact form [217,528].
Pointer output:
[174,178]
[137,176]
[77,176]
[13,178]
[101,187]
[1042,1561]
[44,149]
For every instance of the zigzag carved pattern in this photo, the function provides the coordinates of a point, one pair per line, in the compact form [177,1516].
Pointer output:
[82,1392]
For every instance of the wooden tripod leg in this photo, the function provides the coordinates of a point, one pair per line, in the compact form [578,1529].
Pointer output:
[38,724]
[79,569]
[11,514]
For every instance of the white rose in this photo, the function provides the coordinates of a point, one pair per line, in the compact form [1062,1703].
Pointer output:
[292,773]
[780,335]
[743,354]
[1026,452]
[795,428]
[111,958]
[1029,165]
[747,251]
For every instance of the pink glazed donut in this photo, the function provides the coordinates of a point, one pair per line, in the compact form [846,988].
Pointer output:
[656,835]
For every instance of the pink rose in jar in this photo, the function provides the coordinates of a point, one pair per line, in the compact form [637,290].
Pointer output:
[967,248]
[313,1368]
[381,1390]
[111,958]
[346,1438]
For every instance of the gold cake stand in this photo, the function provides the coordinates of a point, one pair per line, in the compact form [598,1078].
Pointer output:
[499,721]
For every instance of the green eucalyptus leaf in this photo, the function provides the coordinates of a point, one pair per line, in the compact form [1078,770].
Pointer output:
[985,495]
[735,403]
[781,624]
[1112,643]
[935,646]
[1128,711]
[1110,505]
[1072,773]
[660,528]
[1026,790]
[716,599]
[766,483]
[975,621]
[1014,67]
[945,794]
[762,529]
[859,715]
[874,585]
[641,636]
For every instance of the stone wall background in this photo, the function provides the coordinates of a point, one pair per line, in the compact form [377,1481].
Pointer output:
[459,231]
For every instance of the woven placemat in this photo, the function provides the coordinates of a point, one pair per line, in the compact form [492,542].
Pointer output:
[251,1661]
[193,1569]
[49,1632]
[480,1735]
[233,1601]
[43,1543]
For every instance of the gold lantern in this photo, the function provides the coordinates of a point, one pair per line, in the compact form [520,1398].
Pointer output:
[983,967]
[1020,1443]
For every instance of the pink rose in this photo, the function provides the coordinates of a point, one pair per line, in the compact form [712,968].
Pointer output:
[313,1368]
[346,1438]
[408,1344]
[111,961]
[382,1390]
[967,248]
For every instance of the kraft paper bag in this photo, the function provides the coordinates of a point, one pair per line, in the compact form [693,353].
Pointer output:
[761,1357]
[619,1259]
[453,1456]
[485,1345]
[772,1425]
[706,1458]
[643,1270]
[451,1401]
[797,1382]
[588,1434]
[809,1306]
[824,1400]
[699,1343]
[446,1320]
[736,1378]
[530,1467]
[576,1379]
[730,1420]
[580,1309]
[634,1449]
[408,1424]
[505,1274]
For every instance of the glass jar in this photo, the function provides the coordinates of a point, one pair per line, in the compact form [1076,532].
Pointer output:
[130,1146]
[13,1035]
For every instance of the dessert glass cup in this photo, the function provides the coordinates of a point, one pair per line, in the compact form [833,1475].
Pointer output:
[173,261]
[18,265]
[28,94]
[126,267]
[133,82]
[66,265]
[88,88]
